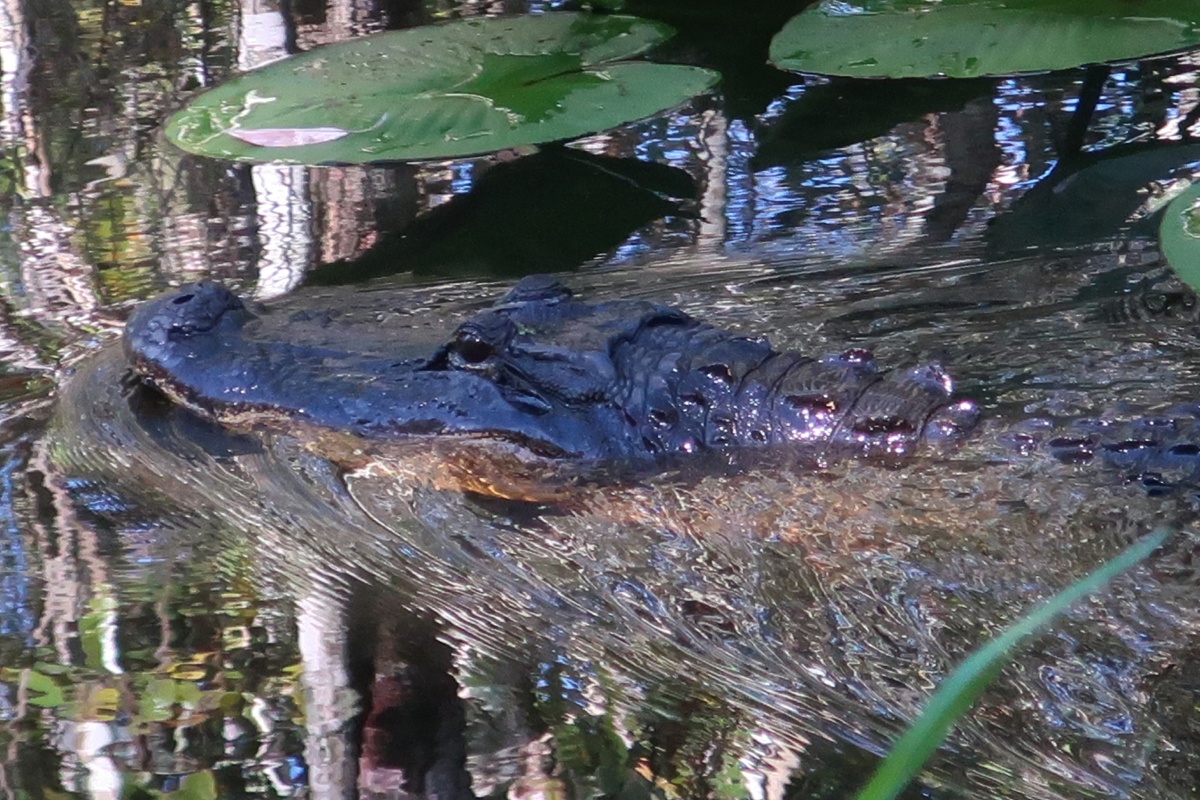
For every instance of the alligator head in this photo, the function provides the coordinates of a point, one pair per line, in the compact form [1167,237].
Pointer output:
[555,376]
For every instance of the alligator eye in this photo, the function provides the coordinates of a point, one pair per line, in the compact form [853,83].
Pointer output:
[474,351]
[479,339]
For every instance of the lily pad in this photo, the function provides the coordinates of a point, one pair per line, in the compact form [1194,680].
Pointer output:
[1179,235]
[974,38]
[441,91]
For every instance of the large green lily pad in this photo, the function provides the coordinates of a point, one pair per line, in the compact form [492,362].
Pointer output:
[974,38]
[463,88]
[1179,235]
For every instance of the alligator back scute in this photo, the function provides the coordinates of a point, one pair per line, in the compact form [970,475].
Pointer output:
[892,414]
[1160,453]
[691,386]
[678,384]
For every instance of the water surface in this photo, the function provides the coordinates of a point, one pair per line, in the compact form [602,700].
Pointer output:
[182,611]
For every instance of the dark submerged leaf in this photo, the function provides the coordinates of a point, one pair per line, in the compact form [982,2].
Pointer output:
[1090,197]
[842,112]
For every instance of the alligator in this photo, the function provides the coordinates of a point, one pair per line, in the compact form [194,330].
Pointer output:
[547,379]
[562,378]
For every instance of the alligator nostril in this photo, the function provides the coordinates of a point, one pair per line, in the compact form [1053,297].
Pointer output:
[183,298]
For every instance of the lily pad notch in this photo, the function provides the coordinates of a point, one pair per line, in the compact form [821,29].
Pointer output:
[456,89]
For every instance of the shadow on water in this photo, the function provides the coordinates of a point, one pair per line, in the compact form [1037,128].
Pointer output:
[549,212]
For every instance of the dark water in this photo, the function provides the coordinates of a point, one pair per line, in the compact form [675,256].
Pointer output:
[185,612]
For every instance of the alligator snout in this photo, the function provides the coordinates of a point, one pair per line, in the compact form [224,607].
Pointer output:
[189,324]
[194,308]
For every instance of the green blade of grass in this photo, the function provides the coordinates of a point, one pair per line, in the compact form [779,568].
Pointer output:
[960,690]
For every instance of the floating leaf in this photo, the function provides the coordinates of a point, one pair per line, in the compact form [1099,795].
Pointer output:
[463,88]
[162,696]
[1179,235]
[973,38]
[47,668]
[104,704]
[197,786]
[156,703]
[189,673]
